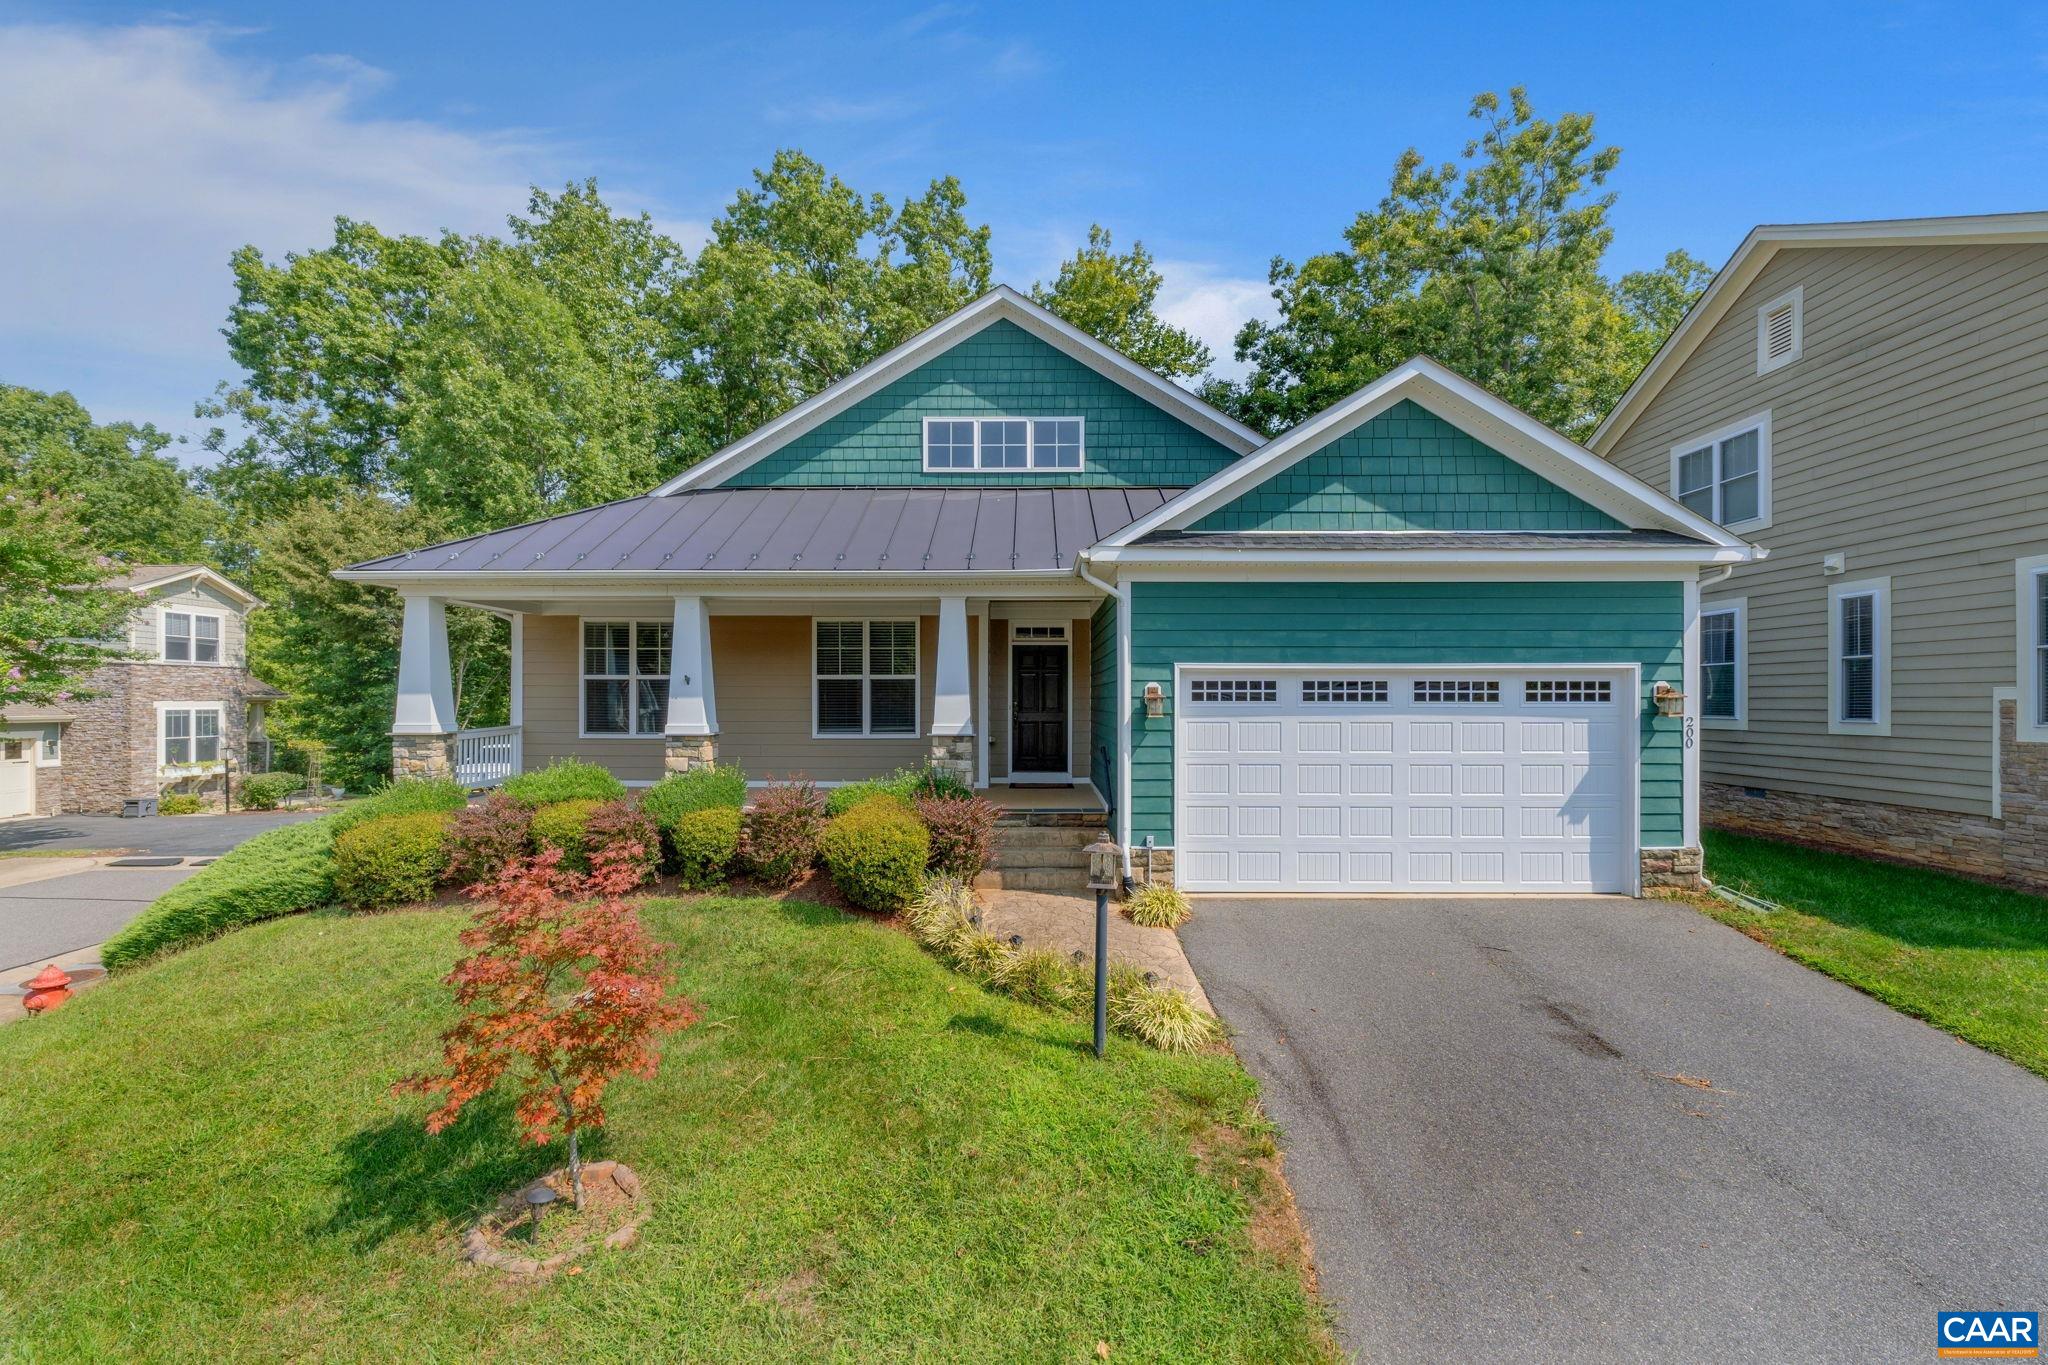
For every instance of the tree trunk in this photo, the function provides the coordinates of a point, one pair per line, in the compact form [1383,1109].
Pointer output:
[575,1169]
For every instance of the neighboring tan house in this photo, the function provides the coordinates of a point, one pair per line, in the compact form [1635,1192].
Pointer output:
[1870,401]
[171,717]
[1420,642]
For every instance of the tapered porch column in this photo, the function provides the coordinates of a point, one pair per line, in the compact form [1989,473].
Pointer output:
[423,721]
[691,734]
[952,711]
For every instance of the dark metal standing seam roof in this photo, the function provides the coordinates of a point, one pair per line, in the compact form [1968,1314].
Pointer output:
[822,530]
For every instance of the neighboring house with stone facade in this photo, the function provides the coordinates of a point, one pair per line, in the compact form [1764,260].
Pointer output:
[1419,642]
[1870,400]
[170,717]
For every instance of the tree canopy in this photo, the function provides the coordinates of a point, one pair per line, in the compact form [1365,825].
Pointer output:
[59,619]
[1112,297]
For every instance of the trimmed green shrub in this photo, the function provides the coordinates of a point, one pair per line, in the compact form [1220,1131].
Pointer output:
[698,789]
[1158,907]
[275,873]
[905,784]
[560,824]
[413,796]
[181,803]
[782,831]
[616,824]
[392,860]
[566,779]
[876,854]
[963,830]
[705,842]
[266,791]
[484,837]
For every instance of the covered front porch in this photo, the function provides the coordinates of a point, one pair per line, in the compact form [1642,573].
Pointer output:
[834,684]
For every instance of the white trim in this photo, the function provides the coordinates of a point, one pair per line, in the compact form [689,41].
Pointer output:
[916,730]
[194,765]
[1167,554]
[1689,680]
[1010,773]
[250,601]
[2030,717]
[1472,410]
[984,735]
[517,708]
[1760,423]
[425,701]
[1795,299]
[1999,696]
[1030,465]
[1881,657]
[1757,250]
[1738,607]
[1001,304]
[166,610]
[632,677]
[1632,744]
[1124,702]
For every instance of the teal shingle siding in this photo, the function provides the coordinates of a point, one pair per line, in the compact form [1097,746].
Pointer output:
[1000,371]
[1406,470]
[1406,623]
[1102,698]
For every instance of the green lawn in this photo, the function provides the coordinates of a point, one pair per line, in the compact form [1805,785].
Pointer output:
[857,1155]
[1969,958]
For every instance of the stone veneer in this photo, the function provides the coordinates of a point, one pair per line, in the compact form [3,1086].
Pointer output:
[956,754]
[2013,848]
[681,753]
[422,756]
[110,750]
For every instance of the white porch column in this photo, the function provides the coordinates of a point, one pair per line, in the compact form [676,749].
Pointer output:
[952,707]
[691,733]
[423,720]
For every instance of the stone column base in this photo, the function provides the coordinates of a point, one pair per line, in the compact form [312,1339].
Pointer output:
[955,753]
[415,756]
[1672,867]
[681,753]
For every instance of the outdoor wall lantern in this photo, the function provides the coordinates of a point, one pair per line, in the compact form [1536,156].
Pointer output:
[1155,700]
[1669,700]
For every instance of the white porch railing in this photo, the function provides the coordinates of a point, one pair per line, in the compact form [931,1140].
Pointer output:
[484,758]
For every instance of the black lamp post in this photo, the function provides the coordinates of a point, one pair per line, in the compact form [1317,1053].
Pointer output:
[1103,867]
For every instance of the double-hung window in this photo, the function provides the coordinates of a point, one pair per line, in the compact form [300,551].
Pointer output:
[191,637]
[625,677]
[1859,657]
[864,678]
[2030,587]
[190,734]
[1724,663]
[1041,445]
[1726,476]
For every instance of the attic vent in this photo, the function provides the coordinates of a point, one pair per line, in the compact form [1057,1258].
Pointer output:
[1780,332]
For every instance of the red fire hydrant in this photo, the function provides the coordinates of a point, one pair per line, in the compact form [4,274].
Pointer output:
[47,989]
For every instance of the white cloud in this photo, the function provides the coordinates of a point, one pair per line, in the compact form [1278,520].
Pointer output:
[1201,298]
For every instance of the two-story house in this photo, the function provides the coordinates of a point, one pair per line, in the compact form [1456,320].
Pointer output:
[1870,401]
[174,715]
[1419,642]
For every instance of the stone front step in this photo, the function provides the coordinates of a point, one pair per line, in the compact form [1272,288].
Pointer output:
[1042,836]
[1092,821]
[1051,860]
[1034,879]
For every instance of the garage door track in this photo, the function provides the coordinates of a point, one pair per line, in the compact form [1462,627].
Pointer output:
[1604,1129]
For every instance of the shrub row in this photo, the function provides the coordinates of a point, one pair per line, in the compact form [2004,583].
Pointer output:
[273,874]
[266,791]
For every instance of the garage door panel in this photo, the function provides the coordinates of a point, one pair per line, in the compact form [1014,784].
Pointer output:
[1485,782]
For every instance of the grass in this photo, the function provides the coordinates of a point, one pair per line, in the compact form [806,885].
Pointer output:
[1964,956]
[857,1155]
[64,852]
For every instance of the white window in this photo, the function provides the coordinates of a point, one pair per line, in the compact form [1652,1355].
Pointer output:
[1461,691]
[625,677]
[1781,331]
[52,750]
[2030,587]
[1235,689]
[1725,476]
[864,679]
[1043,445]
[190,637]
[1540,690]
[1859,657]
[1724,664]
[188,734]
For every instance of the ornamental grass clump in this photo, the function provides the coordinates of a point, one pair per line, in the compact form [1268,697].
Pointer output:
[394,860]
[876,854]
[963,831]
[566,779]
[1158,1016]
[1158,907]
[781,832]
[1051,982]
[939,912]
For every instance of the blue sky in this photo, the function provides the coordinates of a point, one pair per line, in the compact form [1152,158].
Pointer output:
[141,146]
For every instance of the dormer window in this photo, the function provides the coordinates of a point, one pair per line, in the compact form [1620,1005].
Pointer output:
[1026,445]
[1780,331]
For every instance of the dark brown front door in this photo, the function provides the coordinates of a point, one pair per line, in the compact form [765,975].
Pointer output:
[1038,709]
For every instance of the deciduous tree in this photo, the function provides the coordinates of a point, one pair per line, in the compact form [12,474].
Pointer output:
[1112,296]
[58,618]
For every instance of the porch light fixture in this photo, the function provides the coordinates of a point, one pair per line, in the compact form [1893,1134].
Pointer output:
[1155,700]
[1669,700]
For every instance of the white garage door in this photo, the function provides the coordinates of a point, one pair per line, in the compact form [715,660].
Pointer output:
[1361,780]
[17,777]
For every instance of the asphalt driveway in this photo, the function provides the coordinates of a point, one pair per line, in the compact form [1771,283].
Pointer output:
[187,836]
[1603,1129]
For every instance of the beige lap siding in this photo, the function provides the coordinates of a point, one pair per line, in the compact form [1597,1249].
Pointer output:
[762,667]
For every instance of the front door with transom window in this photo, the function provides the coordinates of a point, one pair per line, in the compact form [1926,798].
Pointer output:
[1038,709]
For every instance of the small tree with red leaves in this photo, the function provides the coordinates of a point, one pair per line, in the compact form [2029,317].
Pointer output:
[564,991]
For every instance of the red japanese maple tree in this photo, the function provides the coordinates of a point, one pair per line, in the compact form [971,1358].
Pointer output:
[565,991]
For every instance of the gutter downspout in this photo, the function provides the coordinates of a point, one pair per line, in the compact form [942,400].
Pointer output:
[1720,574]
[1123,683]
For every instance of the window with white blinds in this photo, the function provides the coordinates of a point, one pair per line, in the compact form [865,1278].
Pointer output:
[1721,650]
[625,677]
[1859,657]
[2041,647]
[864,680]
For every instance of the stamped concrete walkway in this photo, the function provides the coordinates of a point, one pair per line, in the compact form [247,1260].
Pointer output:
[1065,923]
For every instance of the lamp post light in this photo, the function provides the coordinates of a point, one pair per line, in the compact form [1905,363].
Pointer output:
[537,1200]
[1103,866]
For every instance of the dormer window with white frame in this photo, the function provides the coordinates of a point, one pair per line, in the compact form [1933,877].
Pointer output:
[1021,445]
[1725,475]
[186,636]
[1781,331]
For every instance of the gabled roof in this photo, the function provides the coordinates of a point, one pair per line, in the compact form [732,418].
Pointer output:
[1757,250]
[142,578]
[1001,304]
[1472,409]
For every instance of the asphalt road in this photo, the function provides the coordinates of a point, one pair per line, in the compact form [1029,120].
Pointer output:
[56,915]
[189,836]
[1601,1129]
